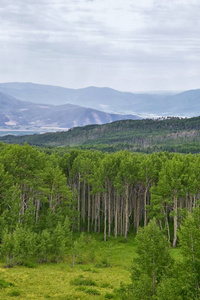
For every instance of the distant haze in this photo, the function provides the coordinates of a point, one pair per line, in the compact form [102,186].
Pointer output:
[145,105]
[145,45]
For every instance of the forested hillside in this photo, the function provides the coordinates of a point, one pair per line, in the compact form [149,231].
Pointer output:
[172,134]
[47,199]
[110,193]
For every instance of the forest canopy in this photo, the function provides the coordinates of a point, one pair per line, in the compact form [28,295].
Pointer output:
[171,134]
[111,193]
[48,197]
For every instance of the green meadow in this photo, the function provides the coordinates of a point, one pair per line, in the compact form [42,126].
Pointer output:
[86,280]
[98,279]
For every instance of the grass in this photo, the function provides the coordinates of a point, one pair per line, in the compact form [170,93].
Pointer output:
[83,281]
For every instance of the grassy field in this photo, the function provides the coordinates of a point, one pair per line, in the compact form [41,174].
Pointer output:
[89,280]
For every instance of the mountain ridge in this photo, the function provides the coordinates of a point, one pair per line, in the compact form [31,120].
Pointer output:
[183,104]
[14,112]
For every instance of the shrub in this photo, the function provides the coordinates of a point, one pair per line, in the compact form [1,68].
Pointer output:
[5,284]
[83,281]
[14,293]
[92,291]
[109,296]
[105,285]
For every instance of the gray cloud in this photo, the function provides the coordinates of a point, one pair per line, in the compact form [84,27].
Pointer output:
[153,44]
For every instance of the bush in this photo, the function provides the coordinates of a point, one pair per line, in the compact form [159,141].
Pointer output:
[109,296]
[5,284]
[14,293]
[18,247]
[92,292]
[83,281]
[105,285]
[31,265]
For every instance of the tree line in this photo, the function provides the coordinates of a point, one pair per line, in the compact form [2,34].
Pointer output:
[116,193]
[171,134]
[52,195]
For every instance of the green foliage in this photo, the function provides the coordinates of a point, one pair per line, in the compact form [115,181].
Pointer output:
[83,281]
[105,285]
[189,235]
[44,246]
[58,243]
[92,291]
[14,293]
[109,296]
[25,247]
[180,284]
[171,134]
[45,199]
[151,264]
[4,284]
[18,247]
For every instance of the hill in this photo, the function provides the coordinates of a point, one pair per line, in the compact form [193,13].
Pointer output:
[17,113]
[172,134]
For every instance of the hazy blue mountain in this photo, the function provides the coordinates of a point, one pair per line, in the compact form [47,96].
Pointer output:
[109,100]
[14,112]
[186,103]
[105,99]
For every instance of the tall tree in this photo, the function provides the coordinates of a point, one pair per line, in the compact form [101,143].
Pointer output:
[152,261]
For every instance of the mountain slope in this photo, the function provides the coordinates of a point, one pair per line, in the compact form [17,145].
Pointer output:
[147,104]
[105,99]
[188,103]
[14,112]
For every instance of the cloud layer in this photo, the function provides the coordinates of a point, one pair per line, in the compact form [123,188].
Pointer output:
[128,45]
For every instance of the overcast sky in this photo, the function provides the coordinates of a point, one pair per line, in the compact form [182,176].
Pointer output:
[129,45]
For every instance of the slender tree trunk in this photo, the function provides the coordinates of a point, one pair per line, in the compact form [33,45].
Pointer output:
[83,204]
[167,224]
[78,204]
[135,208]
[98,213]
[105,215]
[194,201]
[88,208]
[93,210]
[109,211]
[138,212]
[116,216]
[145,204]
[191,204]
[175,222]
[126,211]
[37,210]
[121,216]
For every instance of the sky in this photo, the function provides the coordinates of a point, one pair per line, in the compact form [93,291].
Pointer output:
[128,45]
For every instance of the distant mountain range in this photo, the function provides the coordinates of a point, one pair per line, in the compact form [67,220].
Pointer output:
[108,100]
[15,114]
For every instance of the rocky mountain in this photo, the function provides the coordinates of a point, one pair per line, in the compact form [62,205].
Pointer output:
[17,113]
